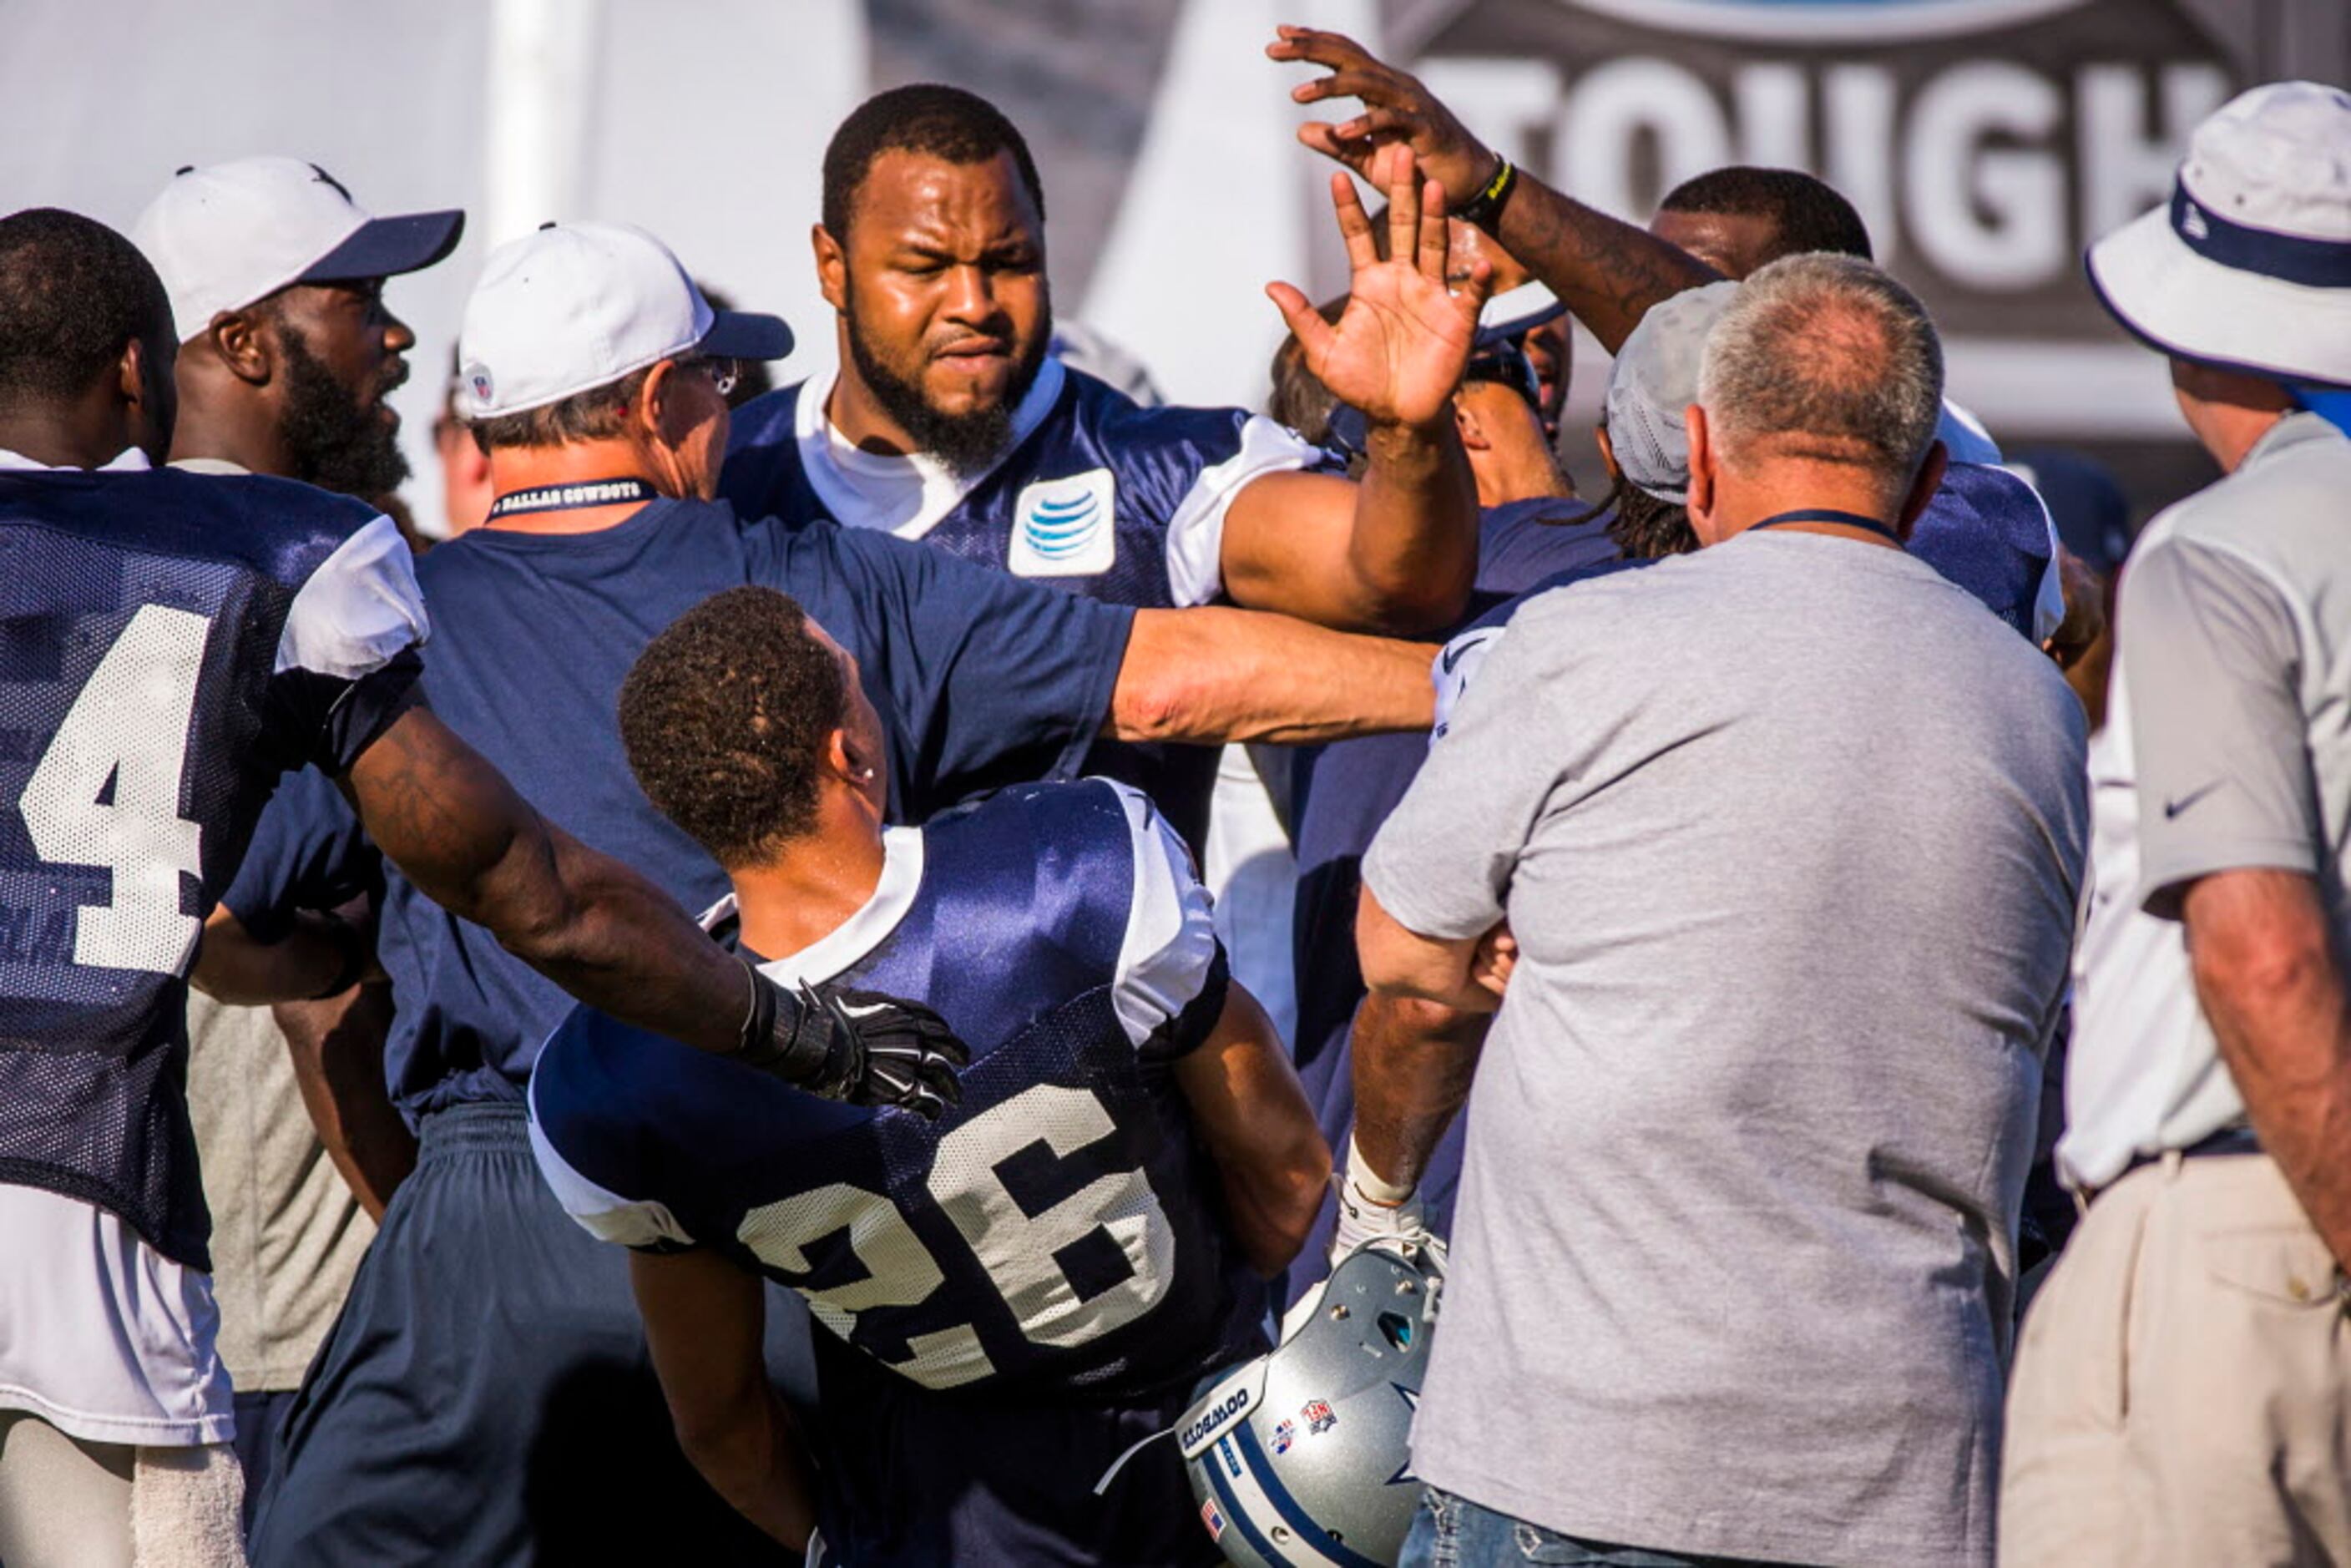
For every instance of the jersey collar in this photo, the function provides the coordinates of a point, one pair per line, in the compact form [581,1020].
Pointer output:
[853,939]
[942,493]
[129,460]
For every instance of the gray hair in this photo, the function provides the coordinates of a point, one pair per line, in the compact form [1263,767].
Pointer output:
[1826,357]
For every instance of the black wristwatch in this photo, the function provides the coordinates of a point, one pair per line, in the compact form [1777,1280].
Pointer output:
[1485,209]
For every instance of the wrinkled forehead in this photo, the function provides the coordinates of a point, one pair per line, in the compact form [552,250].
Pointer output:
[920,195]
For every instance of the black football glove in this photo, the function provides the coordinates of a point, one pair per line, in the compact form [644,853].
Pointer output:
[855,1046]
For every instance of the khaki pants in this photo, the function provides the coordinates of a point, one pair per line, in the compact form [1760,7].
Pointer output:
[2182,1392]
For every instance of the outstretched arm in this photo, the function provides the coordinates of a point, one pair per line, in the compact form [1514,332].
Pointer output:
[1216,674]
[1397,551]
[458,830]
[1606,271]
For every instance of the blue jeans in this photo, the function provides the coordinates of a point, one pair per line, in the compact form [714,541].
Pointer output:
[1452,1531]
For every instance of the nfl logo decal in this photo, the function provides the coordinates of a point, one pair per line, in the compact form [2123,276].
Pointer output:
[1320,1417]
[1213,1520]
[1065,527]
[1284,1435]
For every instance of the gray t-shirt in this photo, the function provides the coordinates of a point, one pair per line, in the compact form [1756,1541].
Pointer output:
[1789,832]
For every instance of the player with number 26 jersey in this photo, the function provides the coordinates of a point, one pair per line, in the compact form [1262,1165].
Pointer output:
[170,643]
[1054,1244]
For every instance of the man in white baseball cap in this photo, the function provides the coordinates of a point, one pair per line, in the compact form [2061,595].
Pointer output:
[579,307]
[2182,1391]
[288,352]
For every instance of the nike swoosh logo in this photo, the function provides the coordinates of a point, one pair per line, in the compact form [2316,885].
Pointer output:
[866,1010]
[1454,652]
[2178,803]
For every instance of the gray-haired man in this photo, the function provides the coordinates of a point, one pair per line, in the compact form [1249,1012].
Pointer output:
[1784,837]
[2183,1392]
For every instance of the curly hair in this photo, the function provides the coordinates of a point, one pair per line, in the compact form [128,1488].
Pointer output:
[1647,528]
[725,717]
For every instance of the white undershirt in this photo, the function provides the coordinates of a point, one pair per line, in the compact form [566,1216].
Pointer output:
[101,1336]
[906,496]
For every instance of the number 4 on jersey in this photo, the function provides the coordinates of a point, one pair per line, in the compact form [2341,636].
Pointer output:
[129,728]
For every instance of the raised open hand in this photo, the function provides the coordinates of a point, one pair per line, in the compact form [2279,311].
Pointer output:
[1396,109]
[1397,352]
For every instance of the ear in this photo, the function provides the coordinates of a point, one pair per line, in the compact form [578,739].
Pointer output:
[831,268]
[150,397]
[1700,506]
[131,373]
[1473,435]
[651,417]
[847,759]
[1607,453]
[1923,487]
[243,343]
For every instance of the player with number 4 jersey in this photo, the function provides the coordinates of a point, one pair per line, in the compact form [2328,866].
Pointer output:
[1017,1293]
[170,645]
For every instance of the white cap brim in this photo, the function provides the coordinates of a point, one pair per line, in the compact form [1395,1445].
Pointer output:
[2183,304]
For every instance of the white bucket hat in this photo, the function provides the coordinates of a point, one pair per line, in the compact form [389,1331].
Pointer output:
[2249,265]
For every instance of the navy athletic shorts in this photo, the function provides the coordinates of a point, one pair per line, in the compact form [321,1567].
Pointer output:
[485,1397]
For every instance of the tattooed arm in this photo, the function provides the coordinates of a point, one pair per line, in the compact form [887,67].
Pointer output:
[1606,271]
[458,830]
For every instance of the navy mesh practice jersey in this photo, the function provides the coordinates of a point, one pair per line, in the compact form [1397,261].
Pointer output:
[980,682]
[1053,1239]
[1096,494]
[170,643]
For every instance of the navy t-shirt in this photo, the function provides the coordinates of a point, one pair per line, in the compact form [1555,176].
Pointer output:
[981,680]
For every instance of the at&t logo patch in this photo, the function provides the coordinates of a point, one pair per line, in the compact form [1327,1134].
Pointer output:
[1066,528]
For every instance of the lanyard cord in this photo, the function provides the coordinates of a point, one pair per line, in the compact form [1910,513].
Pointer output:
[1831,515]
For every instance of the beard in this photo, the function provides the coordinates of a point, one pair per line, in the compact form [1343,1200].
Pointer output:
[965,443]
[334,439]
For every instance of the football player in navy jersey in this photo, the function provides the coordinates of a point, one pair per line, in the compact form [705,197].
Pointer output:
[1014,1294]
[604,446]
[947,421]
[169,645]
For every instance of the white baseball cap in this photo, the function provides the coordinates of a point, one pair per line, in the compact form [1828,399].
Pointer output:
[227,234]
[2249,265]
[579,306]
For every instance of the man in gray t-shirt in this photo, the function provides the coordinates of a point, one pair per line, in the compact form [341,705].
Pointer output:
[1787,835]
